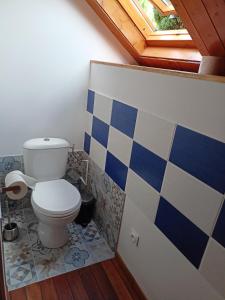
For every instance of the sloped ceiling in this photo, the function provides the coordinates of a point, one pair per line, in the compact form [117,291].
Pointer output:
[204,20]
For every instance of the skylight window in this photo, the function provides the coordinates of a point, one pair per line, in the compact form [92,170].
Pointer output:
[160,14]
[151,31]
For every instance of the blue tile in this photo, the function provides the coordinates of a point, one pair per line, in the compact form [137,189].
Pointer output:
[90,101]
[219,230]
[200,156]
[186,236]
[124,118]
[100,131]
[148,165]
[116,170]
[87,143]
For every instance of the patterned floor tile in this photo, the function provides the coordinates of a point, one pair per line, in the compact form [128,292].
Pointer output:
[49,265]
[17,253]
[99,250]
[36,244]
[75,232]
[90,233]
[27,260]
[77,257]
[22,274]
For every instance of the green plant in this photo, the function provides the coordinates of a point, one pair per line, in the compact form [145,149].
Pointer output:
[170,22]
[144,4]
[160,21]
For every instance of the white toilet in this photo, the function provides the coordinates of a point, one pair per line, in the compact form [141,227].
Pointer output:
[55,201]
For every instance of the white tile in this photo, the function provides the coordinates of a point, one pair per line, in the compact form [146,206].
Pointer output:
[142,195]
[120,145]
[213,266]
[196,200]
[103,108]
[182,100]
[154,133]
[88,122]
[98,153]
[159,267]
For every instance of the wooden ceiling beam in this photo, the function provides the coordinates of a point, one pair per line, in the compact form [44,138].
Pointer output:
[201,26]
[216,11]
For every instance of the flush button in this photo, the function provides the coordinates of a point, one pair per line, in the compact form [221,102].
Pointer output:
[46,139]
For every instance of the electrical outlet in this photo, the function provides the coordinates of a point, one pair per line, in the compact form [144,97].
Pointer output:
[134,236]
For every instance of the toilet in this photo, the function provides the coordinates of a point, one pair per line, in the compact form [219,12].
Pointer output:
[55,201]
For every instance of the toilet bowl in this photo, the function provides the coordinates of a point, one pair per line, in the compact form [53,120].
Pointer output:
[56,203]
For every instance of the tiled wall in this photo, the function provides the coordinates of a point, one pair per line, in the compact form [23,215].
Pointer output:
[8,164]
[110,198]
[174,174]
[109,204]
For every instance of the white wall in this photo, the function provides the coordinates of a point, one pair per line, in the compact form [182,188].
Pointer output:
[160,269]
[45,50]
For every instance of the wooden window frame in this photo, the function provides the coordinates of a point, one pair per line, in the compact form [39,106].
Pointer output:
[149,48]
[171,38]
[168,38]
[138,16]
[163,8]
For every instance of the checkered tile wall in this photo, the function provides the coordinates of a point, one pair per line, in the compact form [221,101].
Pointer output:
[176,175]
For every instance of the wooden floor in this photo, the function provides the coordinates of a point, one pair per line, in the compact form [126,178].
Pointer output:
[107,280]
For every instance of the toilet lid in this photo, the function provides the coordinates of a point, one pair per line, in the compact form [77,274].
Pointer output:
[56,197]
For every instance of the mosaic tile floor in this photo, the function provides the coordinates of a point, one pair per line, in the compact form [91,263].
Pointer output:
[27,261]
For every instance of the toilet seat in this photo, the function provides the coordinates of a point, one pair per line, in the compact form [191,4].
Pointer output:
[56,198]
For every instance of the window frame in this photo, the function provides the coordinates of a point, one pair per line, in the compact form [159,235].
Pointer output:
[122,25]
[163,8]
[138,16]
[166,38]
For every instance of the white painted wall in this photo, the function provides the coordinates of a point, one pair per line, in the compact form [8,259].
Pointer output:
[160,269]
[45,50]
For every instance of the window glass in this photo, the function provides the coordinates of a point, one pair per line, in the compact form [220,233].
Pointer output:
[159,20]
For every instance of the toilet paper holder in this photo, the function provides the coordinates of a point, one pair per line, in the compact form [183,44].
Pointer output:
[15,189]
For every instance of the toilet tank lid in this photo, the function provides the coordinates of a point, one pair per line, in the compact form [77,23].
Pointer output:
[46,143]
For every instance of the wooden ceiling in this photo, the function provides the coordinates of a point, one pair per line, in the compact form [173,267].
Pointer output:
[204,20]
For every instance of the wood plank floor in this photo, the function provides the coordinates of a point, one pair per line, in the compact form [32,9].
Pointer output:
[108,280]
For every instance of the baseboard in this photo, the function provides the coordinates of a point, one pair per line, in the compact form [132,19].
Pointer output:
[129,279]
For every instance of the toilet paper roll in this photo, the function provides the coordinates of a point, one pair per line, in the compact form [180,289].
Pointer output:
[17,178]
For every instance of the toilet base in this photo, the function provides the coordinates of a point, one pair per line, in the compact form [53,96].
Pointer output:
[53,236]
